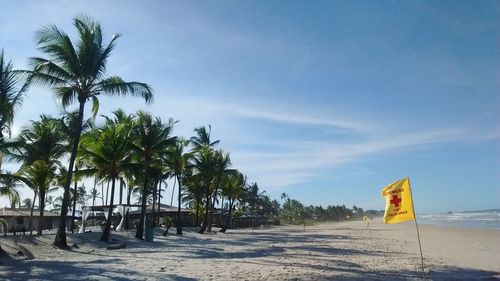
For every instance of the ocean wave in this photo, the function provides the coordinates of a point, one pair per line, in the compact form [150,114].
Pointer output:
[481,219]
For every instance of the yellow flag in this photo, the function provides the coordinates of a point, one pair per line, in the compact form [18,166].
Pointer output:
[399,204]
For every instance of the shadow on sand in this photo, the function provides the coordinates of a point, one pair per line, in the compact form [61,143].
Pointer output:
[277,249]
[437,274]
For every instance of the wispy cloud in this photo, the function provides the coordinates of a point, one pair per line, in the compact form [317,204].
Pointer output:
[278,162]
[300,163]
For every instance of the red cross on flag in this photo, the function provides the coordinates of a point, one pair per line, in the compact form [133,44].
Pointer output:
[399,204]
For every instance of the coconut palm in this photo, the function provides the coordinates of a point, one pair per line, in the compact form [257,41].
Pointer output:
[204,169]
[39,176]
[202,138]
[94,194]
[69,123]
[151,140]
[8,188]
[108,154]
[38,147]
[12,87]
[120,117]
[27,203]
[77,72]
[221,165]
[232,188]
[177,160]
[194,193]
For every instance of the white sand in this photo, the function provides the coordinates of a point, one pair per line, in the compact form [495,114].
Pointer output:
[343,251]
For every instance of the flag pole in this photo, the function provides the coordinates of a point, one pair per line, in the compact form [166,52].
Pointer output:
[418,234]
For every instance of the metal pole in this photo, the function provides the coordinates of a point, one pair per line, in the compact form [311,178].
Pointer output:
[418,234]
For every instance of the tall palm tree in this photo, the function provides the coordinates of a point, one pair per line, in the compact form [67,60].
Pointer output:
[222,163]
[202,138]
[69,123]
[177,160]
[12,87]
[108,154]
[120,117]
[232,189]
[77,72]
[204,168]
[194,195]
[38,147]
[94,194]
[38,176]
[151,139]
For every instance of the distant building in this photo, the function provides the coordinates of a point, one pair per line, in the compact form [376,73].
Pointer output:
[18,220]
[164,211]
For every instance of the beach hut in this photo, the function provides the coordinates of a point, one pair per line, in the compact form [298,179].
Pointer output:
[17,220]
[162,212]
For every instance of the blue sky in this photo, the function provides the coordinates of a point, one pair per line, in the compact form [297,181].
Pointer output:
[327,101]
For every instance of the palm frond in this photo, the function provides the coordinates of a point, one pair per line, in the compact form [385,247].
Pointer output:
[115,86]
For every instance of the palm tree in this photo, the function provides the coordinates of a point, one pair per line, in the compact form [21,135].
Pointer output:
[69,123]
[233,189]
[108,154]
[94,194]
[38,176]
[120,117]
[194,195]
[252,197]
[27,203]
[177,160]
[150,142]
[222,163]
[202,138]
[12,88]
[8,188]
[77,72]
[38,147]
[204,168]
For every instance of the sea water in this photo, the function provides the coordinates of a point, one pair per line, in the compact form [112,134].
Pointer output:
[478,219]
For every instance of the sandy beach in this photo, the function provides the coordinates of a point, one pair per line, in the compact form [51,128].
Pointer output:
[340,251]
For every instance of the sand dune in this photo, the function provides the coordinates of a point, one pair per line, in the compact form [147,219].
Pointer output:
[341,251]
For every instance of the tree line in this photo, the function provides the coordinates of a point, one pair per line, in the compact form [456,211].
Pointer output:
[133,153]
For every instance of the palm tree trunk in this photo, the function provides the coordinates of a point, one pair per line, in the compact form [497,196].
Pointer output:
[179,221]
[159,199]
[102,192]
[75,190]
[107,193]
[221,219]
[93,205]
[60,240]
[122,183]
[140,227]
[197,212]
[129,192]
[205,220]
[211,218]
[41,205]
[107,228]
[172,199]
[228,220]
[31,213]
[153,211]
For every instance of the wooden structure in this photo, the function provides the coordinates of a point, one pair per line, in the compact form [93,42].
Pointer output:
[17,220]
